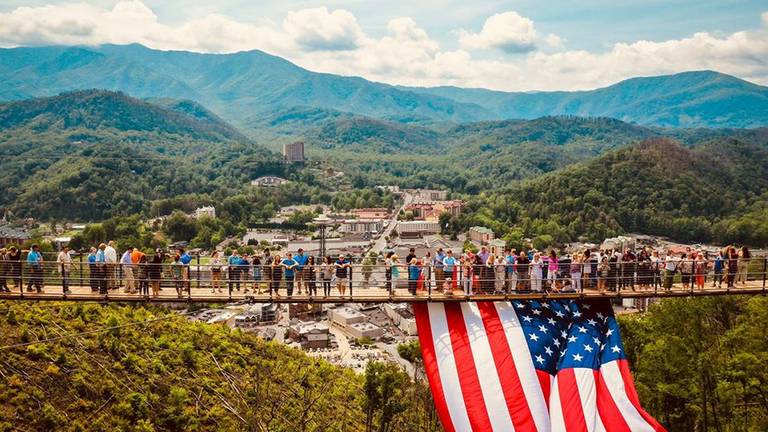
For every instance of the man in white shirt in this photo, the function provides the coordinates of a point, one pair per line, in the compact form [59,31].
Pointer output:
[110,254]
[671,262]
[64,264]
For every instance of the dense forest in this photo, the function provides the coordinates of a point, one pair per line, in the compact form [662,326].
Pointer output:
[150,369]
[699,364]
[712,192]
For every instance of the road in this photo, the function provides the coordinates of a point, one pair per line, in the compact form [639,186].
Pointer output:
[381,243]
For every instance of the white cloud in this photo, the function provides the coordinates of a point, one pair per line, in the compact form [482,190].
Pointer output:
[318,28]
[506,31]
[332,41]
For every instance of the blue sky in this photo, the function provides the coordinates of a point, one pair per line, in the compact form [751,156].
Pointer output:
[509,45]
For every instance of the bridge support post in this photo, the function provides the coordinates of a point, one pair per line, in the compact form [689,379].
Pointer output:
[351,283]
[765,272]
[80,269]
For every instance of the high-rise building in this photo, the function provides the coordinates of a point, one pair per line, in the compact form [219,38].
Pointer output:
[294,152]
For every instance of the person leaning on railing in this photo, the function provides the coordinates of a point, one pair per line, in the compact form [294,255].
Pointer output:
[5,270]
[718,266]
[35,263]
[64,266]
[126,262]
[14,258]
[156,271]
[742,272]
[671,263]
[215,266]
[342,274]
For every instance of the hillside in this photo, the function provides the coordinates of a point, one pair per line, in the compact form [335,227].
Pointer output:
[240,85]
[94,154]
[152,370]
[654,187]
[96,109]
[328,130]
[469,157]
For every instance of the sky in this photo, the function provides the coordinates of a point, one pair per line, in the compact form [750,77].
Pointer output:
[522,45]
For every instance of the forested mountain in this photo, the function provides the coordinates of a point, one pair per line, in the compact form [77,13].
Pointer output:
[93,154]
[235,86]
[689,99]
[709,192]
[240,85]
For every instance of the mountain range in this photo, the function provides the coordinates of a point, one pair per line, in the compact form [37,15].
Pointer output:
[245,86]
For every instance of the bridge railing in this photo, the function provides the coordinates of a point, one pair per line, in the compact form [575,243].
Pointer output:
[349,280]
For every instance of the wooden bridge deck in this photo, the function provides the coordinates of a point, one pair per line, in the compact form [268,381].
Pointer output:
[365,295]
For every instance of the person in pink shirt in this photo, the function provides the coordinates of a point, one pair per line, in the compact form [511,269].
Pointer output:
[552,268]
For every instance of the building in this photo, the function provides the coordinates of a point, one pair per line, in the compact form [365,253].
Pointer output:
[362,226]
[497,246]
[269,313]
[481,235]
[402,316]
[209,211]
[416,229]
[431,210]
[268,181]
[294,152]
[247,320]
[371,213]
[345,316]
[12,236]
[364,329]
[305,311]
[311,335]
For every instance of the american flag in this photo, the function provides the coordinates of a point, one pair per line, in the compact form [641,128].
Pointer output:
[529,366]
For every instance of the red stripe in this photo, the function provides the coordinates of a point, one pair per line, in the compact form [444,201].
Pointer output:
[545,380]
[465,365]
[424,328]
[514,396]
[629,386]
[612,418]
[570,401]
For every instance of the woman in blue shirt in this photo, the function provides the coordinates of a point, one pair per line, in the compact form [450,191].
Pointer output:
[289,270]
[413,275]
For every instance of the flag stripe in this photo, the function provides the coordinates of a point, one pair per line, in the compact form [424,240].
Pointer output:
[490,369]
[527,373]
[606,407]
[430,365]
[490,382]
[570,401]
[629,389]
[518,407]
[614,386]
[585,381]
[545,381]
[555,409]
[447,368]
[467,371]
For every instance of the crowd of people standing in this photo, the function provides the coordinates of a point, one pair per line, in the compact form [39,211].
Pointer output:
[481,272]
